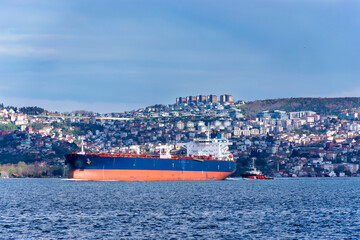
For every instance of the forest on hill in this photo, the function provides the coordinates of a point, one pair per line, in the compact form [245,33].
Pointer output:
[319,105]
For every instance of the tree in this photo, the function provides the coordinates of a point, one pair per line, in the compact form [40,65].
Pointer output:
[32,110]
[339,169]
[21,167]
[8,127]
[37,126]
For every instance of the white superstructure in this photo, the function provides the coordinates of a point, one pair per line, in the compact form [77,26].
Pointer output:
[217,148]
[164,151]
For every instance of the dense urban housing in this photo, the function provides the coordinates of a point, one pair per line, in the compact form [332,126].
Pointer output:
[283,144]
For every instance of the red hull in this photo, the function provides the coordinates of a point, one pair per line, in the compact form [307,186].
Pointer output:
[146,175]
[258,177]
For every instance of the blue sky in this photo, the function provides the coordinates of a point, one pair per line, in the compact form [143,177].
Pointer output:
[111,56]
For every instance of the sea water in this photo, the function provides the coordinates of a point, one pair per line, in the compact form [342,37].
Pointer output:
[321,208]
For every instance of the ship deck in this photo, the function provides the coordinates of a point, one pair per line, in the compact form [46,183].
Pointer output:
[134,155]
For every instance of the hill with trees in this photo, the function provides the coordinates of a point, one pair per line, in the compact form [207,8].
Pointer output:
[319,105]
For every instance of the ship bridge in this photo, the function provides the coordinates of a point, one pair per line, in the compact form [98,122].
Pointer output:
[217,148]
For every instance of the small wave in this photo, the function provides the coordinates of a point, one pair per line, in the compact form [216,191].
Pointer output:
[72,179]
[234,179]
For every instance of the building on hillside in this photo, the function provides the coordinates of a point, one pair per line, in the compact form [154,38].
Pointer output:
[280,114]
[353,115]
[226,98]
[212,98]
[180,100]
[264,114]
[201,99]
[191,99]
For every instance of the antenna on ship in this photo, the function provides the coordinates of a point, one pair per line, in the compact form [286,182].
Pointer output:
[253,163]
[208,132]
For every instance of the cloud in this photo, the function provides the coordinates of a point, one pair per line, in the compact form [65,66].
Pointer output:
[30,45]
[15,37]
[24,51]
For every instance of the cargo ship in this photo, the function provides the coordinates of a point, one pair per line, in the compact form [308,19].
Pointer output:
[205,159]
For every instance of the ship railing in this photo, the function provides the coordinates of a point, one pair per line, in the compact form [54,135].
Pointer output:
[143,155]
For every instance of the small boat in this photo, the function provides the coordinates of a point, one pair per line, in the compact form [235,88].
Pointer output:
[253,173]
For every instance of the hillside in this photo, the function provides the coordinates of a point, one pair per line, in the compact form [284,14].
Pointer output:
[319,105]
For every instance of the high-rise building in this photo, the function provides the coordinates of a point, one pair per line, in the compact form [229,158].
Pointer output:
[212,98]
[191,99]
[226,98]
[201,98]
[180,100]
[222,99]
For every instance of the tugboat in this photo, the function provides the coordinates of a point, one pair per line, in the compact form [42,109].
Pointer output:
[253,173]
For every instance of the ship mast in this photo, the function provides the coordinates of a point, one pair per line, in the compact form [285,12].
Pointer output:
[208,132]
[82,152]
